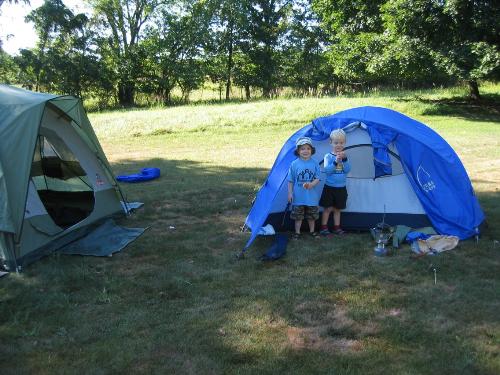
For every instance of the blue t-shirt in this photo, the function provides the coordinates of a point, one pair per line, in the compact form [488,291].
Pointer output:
[304,171]
[336,173]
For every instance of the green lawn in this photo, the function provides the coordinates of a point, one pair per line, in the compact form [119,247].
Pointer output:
[178,301]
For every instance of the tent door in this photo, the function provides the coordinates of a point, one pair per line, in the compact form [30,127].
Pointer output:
[61,183]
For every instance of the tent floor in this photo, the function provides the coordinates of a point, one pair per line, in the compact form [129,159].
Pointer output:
[354,221]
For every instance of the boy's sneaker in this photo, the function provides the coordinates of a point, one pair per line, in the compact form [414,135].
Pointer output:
[338,232]
[325,232]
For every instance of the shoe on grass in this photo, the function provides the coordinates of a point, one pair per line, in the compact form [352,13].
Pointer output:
[325,232]
[314,234]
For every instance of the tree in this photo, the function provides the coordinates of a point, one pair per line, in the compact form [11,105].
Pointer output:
[227,30]
[354,29]
[50,19]
[305,66]
[122,22]
[266,25]
[245,72]
[462,36]
[8,68]
[173,48]
[29,66]
[76,67]
[62,60]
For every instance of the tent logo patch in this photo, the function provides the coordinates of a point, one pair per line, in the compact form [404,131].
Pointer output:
[424,179]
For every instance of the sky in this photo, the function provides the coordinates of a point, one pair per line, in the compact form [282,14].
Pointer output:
[15,33]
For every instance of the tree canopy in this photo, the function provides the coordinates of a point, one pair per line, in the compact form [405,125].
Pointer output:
[126,48]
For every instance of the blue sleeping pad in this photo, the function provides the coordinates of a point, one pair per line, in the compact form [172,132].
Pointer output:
[146,174]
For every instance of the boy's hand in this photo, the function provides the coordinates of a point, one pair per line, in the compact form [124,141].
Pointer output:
[290,197]
[307,185]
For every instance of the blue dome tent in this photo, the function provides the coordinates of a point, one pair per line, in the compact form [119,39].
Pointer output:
[402,171]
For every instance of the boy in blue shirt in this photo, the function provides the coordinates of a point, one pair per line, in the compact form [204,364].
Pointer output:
[334,195]
[303,176]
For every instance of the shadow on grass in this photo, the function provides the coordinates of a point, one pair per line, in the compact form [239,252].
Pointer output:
[485,109]
[186,186]
[490,202]
[178,301]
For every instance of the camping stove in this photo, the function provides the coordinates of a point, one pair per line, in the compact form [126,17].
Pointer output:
[381,233]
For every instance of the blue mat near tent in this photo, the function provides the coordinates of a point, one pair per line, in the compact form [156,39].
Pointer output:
[105,240]
[146,174]
[277,249]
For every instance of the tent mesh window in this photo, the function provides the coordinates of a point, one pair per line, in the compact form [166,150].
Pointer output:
[61,182]
[359,154]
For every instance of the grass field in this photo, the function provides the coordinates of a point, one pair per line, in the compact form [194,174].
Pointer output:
[177,301]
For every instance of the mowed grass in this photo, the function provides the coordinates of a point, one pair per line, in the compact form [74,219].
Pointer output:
[178,301]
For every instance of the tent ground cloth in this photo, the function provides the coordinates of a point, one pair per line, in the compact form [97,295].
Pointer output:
[105,240]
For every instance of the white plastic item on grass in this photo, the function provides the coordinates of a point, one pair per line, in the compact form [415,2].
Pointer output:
[268,230]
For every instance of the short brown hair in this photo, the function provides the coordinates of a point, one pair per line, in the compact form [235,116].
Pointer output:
[313,150]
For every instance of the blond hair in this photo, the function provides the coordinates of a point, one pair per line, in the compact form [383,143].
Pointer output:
[337,134]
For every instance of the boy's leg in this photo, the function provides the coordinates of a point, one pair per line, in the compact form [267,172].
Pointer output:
[336,217]
[326,201]
[297,214]
[312,214]
[336,221]
[298,224]
[324,221]
[340,204]
[311,223]
[325,215]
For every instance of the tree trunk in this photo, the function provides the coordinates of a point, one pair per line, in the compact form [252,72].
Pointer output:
[266,92]
[126,94]
[228,82]
[163,96]
[474,90]
[167,98]
[247,92]
[229,67]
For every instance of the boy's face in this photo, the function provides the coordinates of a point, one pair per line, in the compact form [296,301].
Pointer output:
[338,144]
[305,151]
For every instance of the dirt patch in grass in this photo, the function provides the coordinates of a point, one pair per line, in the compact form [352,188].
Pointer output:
[329,328]
[311,338]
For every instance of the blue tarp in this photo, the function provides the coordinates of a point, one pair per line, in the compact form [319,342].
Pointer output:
[108,238]
[145,174]
[434,170]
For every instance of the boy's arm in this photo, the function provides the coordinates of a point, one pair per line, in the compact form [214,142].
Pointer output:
[328,164]
[290,192]
[316,179]
[314,182]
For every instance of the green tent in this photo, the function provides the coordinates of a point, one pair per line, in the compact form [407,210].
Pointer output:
[55,181]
